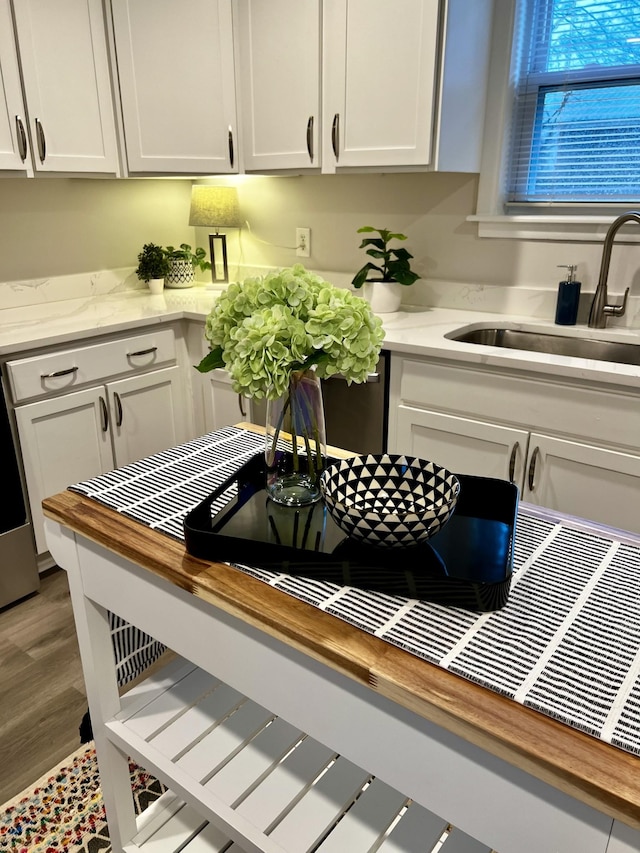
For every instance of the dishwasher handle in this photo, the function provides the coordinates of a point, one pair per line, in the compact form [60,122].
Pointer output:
[372,378]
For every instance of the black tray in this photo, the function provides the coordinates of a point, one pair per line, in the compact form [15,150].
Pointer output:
[467,564]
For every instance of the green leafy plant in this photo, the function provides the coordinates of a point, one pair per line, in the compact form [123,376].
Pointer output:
[264,328]
[393,264]
[184,253]
[152,263]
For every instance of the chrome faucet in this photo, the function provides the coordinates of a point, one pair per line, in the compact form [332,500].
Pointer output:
[600,309]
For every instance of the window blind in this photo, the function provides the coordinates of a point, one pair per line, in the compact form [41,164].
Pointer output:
[576,118]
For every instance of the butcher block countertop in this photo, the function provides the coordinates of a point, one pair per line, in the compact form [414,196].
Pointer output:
[584,767]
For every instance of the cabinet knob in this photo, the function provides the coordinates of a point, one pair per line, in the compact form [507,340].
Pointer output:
[22,139]
[42,142]
[310,138]
[335,135]
[532,468]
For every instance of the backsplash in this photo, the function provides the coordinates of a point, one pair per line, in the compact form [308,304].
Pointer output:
[529,302]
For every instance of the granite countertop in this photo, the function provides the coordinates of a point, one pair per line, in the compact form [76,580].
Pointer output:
[416,330]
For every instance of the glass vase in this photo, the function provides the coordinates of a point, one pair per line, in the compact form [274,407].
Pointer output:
[295,442]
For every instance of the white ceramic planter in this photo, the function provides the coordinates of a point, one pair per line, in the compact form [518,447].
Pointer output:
[181,274]
[383,296]
[156,285]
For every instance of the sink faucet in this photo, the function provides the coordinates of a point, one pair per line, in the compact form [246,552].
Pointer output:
[600,309]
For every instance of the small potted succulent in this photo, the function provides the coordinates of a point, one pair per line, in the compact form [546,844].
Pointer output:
[153,266]
[182,264]
[382,280]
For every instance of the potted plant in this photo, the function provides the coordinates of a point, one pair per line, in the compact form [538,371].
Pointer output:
[153,266]
[393,268]
[182,264]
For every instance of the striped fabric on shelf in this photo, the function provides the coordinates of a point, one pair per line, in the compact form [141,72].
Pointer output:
[567,643]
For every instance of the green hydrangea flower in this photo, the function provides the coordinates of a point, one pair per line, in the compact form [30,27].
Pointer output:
[264,327]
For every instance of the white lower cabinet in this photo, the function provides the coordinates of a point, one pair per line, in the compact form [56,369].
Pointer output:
[568,448]
[81,412]
[81,435]
[222,405]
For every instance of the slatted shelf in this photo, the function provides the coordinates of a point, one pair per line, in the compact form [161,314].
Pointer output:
[244,780]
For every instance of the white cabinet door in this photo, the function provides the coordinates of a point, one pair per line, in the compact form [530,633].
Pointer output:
[379,82]
[148,414]
[222,405]
[278,74]
[580,479]
[63,440]
[65,71]
[14,150]
[177,86]
[462,445]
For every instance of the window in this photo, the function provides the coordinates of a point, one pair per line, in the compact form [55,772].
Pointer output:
[575,133]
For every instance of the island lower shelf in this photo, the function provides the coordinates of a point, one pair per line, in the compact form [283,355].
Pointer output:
[240,775]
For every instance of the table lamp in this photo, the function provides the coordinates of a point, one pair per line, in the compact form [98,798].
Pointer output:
[215,207]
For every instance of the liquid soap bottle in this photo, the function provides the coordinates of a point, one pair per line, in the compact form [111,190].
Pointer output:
[568,298]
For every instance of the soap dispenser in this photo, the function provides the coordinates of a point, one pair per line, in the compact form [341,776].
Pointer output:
[568,298]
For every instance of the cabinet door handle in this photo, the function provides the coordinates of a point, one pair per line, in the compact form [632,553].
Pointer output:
[512,461]
[142,352]
[42,142]
[231,151]
[22,139]
[104,414]
[67,372]
[240,401]
[118,403]
[310,138]
[532,468]
[335,135]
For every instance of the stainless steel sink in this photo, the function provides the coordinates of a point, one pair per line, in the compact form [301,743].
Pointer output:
[616,351]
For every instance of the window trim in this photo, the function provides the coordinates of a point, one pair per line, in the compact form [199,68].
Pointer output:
[495,217]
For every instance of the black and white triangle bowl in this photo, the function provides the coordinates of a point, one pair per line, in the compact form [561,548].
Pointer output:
[388,500]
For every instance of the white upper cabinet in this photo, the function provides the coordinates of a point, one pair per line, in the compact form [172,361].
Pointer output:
[65,72]
[14,150]
[332,85]
[177,85]
[278,73]
[379,82]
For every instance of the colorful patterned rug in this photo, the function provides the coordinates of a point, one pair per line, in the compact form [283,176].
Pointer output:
[64,812]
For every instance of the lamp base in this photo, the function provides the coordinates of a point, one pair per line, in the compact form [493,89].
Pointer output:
[223,245]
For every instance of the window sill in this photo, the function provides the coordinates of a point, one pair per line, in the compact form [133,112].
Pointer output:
[572,228]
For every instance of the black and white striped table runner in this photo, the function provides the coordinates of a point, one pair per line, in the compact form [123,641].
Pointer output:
[567,643]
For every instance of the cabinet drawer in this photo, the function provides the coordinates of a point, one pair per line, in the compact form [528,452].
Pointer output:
[72,368]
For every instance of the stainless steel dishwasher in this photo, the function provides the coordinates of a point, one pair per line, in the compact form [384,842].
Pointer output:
[18,567]
[356,416]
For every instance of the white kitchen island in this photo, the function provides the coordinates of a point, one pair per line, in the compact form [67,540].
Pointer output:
[284,728]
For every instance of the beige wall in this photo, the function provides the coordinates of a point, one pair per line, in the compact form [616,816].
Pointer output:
[58,226]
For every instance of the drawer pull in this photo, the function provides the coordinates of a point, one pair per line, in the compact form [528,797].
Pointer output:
[104,414]
[231,151]
[143,352]
[118,402]
[56,373]
[335,135]
[512,461]
[22,139]
[310,138]
[532,468]
[42,142]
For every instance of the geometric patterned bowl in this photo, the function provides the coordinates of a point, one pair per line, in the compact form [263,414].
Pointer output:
[387,500]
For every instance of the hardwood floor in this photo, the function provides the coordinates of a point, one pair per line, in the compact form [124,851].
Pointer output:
[42,700]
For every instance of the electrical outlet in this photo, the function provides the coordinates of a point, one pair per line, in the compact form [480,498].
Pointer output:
[303,242]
